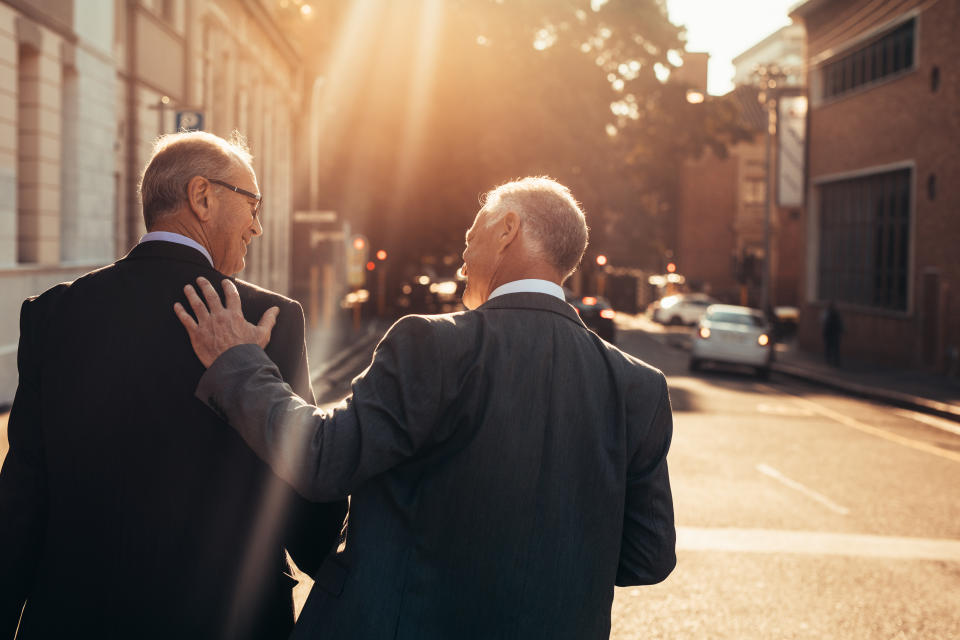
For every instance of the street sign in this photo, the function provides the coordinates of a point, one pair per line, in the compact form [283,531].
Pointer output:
[189,121]
[791,150]
[319,215]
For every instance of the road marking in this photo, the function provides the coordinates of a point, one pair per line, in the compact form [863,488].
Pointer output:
[796,486]
[866,428]
[933,421]
[783,410]
[816,543]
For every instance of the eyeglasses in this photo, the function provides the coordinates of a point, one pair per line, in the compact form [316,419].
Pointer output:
[243,192]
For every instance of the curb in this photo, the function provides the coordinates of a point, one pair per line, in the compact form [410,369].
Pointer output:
[889,396]
[360,344]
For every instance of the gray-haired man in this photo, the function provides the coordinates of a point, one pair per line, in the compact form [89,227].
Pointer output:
[507,466]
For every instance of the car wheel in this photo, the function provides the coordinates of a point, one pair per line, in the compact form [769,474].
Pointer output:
[763,373]
[694,364]
[676,320]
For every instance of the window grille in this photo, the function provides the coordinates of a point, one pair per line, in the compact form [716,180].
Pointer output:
[865,239]
[885,56]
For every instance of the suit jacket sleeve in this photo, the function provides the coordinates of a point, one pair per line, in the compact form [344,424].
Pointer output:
[313,528]
[23,490]
[648,546]
[390,416]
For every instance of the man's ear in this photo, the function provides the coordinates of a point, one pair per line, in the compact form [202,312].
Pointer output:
[198,197]
[507,229]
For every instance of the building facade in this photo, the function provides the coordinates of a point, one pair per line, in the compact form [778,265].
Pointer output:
[881,221]
[57,137]
[87,86]
[721,245]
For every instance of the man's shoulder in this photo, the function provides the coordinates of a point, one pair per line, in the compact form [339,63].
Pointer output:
[629,367]
[52,295]
[443,326]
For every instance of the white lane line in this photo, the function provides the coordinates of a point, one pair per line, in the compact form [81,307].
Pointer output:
[767,470]
[933,421]
[816,543]
[866,428]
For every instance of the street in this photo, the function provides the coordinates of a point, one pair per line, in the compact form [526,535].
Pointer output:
[800,513]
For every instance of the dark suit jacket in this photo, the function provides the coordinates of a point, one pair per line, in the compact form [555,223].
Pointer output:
[507,467]
[127,509]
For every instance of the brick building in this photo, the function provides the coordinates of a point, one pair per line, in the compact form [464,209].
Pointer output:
[881,226]
[722,204]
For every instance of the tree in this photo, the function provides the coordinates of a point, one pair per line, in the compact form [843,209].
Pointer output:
[446,101]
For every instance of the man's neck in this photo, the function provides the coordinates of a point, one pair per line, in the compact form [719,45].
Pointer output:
[529,270]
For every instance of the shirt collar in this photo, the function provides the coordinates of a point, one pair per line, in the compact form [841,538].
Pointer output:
[169,236]
[530,285]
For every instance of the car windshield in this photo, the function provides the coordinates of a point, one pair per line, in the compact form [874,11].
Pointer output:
[729,317]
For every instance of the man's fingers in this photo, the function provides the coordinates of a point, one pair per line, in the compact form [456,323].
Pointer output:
[210,295]
[199,309]
[185,318]
[267,322]
[232,295]
[269,318]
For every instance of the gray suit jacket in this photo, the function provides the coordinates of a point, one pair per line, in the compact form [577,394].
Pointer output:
[507,467]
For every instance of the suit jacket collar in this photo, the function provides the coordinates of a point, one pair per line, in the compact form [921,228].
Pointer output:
[535,301]
[167,251]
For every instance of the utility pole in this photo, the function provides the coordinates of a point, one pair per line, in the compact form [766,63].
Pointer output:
[770,79]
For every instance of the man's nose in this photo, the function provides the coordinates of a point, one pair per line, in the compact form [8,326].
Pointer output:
[256,226]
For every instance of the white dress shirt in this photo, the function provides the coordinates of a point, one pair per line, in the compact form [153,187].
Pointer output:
[530,285]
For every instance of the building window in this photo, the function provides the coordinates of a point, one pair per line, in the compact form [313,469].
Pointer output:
[30,187]
[865,240]
[889,54]
[754,191]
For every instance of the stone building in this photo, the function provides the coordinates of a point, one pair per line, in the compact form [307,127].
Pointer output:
[86,86]
[58,121]
[881,223]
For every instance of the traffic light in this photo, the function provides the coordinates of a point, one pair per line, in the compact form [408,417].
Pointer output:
[671,267]
[381,255]
[601,260]
[356,260]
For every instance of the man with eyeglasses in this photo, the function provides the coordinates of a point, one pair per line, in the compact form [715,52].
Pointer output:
[127,509]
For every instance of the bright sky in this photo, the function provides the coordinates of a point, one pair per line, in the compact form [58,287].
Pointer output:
[725,29]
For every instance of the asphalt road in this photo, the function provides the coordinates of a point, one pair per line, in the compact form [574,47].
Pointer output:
[800,513]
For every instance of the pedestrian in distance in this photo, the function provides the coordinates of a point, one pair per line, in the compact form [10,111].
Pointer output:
[506,466]
[127,509]
[832,328]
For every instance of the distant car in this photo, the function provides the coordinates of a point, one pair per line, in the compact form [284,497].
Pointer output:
[729,334]
[682,308]
[596,313]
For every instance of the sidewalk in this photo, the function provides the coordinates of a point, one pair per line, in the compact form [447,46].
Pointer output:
[337,355]
[917,390]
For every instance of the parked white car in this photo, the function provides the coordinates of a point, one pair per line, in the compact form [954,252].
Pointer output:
[729,334]
[682,308]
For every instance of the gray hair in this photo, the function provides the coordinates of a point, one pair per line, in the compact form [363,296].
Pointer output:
[552,219]
[179,157]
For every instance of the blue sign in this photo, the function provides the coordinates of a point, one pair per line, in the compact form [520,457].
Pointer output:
[189,120]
